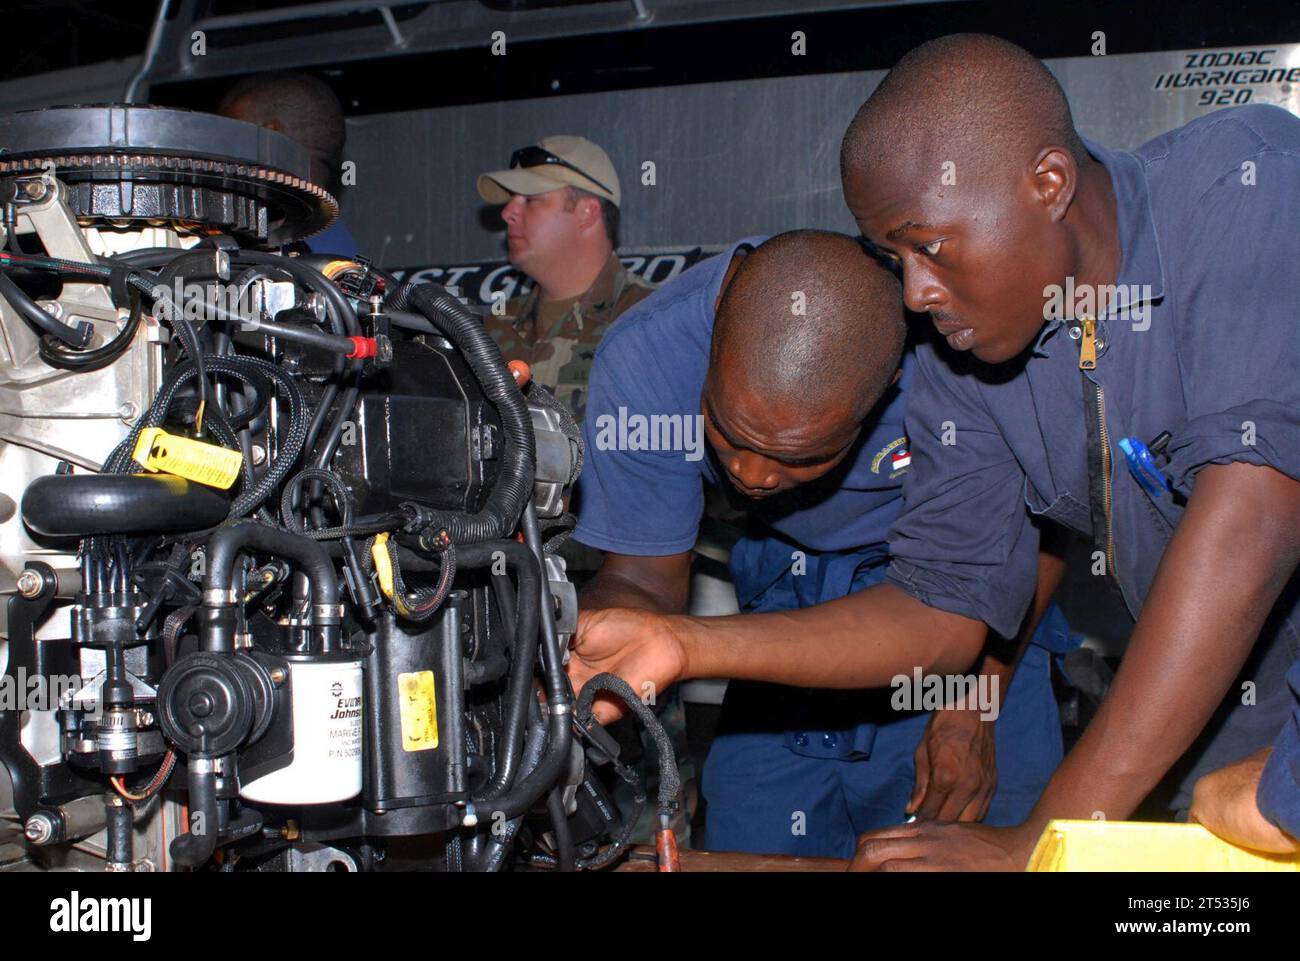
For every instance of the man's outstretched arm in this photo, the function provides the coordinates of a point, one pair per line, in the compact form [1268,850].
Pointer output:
[1226,564]
[858,641]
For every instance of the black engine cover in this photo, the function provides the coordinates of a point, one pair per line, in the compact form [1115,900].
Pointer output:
[425,433]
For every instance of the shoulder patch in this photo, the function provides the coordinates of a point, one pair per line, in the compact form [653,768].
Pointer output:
[899,457]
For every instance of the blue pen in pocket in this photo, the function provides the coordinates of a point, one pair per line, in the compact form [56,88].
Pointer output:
[1145,462]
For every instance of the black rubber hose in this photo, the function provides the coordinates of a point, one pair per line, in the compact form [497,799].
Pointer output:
[224,547]
[560,828]
[335,433]
[557,682]
[193,849]
[331,443]
[523,657]
[119,838]
[309,336]
[507,604]
[486,671]
[318,418]
[490,856]
[521,796]
[297,333]
[514,486]
[146,257]
[84,504]
[524,794]
[31,312]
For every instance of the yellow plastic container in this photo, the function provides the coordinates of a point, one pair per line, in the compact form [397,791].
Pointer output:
[1144,846]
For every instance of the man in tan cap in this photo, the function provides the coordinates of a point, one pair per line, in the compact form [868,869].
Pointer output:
[561,198]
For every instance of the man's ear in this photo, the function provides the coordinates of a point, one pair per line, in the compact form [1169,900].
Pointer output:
[1055,179]
[736,258]
[588,212]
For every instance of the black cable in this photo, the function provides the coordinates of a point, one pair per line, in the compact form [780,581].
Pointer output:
[31,312]
[559,701]
[174,314]
[669,779]
[342,498]
[84,361]
[318,418]
[119,461]
[335,433]
[148,257]
[509,496]
[291,332]
[364,527]
[340,313]
[421,604]
[262,391]
[523,656]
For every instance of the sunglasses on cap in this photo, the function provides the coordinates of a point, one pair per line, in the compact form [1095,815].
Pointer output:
[539,157]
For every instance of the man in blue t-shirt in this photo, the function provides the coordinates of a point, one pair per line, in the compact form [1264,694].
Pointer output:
[777,371]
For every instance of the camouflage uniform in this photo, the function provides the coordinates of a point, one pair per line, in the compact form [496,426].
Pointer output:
[561,356]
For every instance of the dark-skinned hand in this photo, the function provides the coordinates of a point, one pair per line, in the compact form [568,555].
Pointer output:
[931,846]
[1224,802]
[634,644]
[956,768]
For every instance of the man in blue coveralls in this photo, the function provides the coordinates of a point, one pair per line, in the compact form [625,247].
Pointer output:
[792,400]
[1118,349]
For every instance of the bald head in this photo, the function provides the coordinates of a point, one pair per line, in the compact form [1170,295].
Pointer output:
[964,167]
[301,107]
[810,321]
[971,98]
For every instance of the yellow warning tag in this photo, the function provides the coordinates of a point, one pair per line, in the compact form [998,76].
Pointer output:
[419,709]
[195,460]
